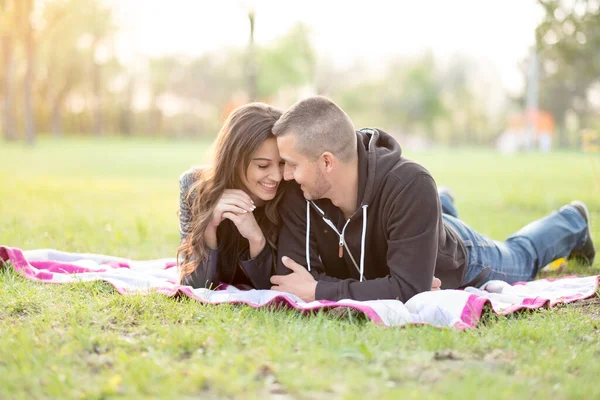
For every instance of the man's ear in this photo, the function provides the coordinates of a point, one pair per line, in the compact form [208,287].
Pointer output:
[328,161]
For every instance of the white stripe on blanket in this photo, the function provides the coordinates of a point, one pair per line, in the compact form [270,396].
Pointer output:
[457,309]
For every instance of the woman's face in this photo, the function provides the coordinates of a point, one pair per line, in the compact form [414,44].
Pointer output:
[264,173]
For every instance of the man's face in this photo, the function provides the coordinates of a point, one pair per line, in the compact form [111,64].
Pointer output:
[309,174]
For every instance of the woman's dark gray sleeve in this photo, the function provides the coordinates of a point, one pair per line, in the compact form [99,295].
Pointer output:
[185,211]
[206,274]
[260,268]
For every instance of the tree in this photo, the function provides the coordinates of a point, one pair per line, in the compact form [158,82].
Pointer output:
[61,67]
[7,38]
[466,118]
[99,27]
[23,14]
[568,45]
[289,62]
[161,75]
[414,96]
[251,58]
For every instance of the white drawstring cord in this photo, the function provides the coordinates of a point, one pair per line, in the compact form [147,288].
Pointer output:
[341,235]
[362,243]
[308,235]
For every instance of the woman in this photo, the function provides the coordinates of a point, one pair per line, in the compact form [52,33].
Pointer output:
[228,212]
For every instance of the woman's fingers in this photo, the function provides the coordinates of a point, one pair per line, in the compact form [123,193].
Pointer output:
[231,208]
[237,201]
[239,193]
[231,216]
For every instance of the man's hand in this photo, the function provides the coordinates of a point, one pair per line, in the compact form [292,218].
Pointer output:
[436,284]
[300,282]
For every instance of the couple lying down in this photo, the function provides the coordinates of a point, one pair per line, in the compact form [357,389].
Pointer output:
[301,202]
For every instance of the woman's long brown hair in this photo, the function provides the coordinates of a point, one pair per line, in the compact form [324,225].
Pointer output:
[245,129]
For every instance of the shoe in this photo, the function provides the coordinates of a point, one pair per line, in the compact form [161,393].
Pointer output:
[587,252]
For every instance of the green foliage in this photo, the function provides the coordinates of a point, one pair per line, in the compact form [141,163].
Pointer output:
[418,97]
[78,84]
[568,44]
[286,63]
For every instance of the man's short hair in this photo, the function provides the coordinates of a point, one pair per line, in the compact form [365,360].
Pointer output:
[319,125]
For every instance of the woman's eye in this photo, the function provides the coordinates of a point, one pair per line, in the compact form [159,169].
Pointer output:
[263,166]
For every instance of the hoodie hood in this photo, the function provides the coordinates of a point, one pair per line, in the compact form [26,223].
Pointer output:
[379,152]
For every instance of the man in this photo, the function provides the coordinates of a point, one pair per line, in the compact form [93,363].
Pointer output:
[367,222]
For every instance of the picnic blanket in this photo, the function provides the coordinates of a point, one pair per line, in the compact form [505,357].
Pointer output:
[457,309]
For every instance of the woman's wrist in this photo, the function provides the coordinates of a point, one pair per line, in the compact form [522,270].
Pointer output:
[257,244]
[210,235]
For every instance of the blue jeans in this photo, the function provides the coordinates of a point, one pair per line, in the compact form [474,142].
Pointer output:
[523,254]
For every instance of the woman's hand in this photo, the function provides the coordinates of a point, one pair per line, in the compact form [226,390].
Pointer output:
[249,229]
[233,201]
[236,206]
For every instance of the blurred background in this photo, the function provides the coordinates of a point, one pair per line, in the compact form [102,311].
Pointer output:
[514,75]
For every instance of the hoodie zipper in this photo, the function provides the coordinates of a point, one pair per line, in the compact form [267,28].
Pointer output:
[342,237]
[342,242]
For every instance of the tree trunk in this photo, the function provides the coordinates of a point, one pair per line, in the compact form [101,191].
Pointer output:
[563,140]
[10,129]
[584,117]
[252,68]
[126,115]
[156,117]
[57,125]
[29,77]
[97,108]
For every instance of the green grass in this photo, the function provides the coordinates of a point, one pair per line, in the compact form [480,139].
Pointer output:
[120,197]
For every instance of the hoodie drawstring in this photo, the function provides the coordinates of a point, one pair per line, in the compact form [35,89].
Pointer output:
[362,243]
[343,243]
[308,235]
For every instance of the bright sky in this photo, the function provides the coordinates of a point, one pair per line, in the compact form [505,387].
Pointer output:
[497,34]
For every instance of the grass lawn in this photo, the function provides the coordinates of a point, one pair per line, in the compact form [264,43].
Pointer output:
[120,197]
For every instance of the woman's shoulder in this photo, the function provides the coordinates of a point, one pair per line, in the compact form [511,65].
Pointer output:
[190,176]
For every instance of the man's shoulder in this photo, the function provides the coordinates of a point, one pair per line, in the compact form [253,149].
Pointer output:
[405,170]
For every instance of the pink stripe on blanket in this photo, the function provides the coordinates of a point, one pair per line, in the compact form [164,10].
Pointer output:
[117,264]
[44,276]
[534,302]
[472,311]
[63,268]
[14,255]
